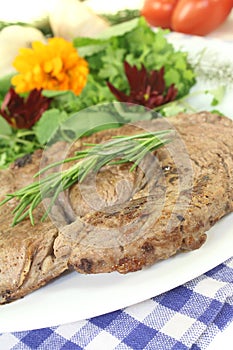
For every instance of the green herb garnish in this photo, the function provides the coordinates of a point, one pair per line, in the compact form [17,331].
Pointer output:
[120,149]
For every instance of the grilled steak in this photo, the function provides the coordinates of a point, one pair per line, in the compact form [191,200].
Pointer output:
[185,189]
[122,220]
[26,252]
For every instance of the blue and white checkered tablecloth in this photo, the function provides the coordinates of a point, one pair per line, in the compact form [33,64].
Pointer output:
[187,317]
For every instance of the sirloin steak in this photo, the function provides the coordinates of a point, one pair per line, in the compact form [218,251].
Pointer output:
[26,252]
[122,220]
[187,187]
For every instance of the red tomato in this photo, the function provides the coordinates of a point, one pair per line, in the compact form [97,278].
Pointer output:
[200,17]
[158,13]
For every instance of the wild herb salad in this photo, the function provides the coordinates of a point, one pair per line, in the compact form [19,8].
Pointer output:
[128,62]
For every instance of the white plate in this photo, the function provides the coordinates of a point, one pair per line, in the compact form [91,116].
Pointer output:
[74,297]
[214,66]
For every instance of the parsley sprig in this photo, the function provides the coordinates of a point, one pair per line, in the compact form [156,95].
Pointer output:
[118,150]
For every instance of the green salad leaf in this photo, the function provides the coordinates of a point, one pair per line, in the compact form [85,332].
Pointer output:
[135,42]
[48,125]
[132,41]
[5,128]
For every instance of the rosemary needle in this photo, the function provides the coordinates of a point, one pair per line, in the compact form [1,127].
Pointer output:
[118,150]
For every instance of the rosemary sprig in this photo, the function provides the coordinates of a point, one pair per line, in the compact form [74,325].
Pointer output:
[120,149]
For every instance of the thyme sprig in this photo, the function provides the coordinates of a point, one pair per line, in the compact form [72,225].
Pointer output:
[118,150]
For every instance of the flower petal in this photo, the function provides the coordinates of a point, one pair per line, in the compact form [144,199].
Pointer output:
[119,94]
[24,113]
[50,66]
[146,88]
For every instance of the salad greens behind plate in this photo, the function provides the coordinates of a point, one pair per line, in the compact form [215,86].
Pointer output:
[134,42]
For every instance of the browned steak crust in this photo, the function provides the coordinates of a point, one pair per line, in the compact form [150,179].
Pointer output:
[26,252]
[122,220]
[189,189]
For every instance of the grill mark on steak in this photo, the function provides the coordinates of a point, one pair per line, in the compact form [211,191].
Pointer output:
[163,209]
[21,162]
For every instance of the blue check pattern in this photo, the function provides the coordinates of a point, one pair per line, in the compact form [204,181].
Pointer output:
[187,317]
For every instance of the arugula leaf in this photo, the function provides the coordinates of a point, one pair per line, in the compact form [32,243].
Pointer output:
[87,122]
[85,41]
[49,124]
[87,51]
[105,37]
[89,46]
[119,29]
[103,117]
[5,128]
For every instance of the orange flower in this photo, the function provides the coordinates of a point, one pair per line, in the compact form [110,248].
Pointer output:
[52,66]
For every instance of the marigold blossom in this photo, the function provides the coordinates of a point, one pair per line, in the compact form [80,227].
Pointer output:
[52,66]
